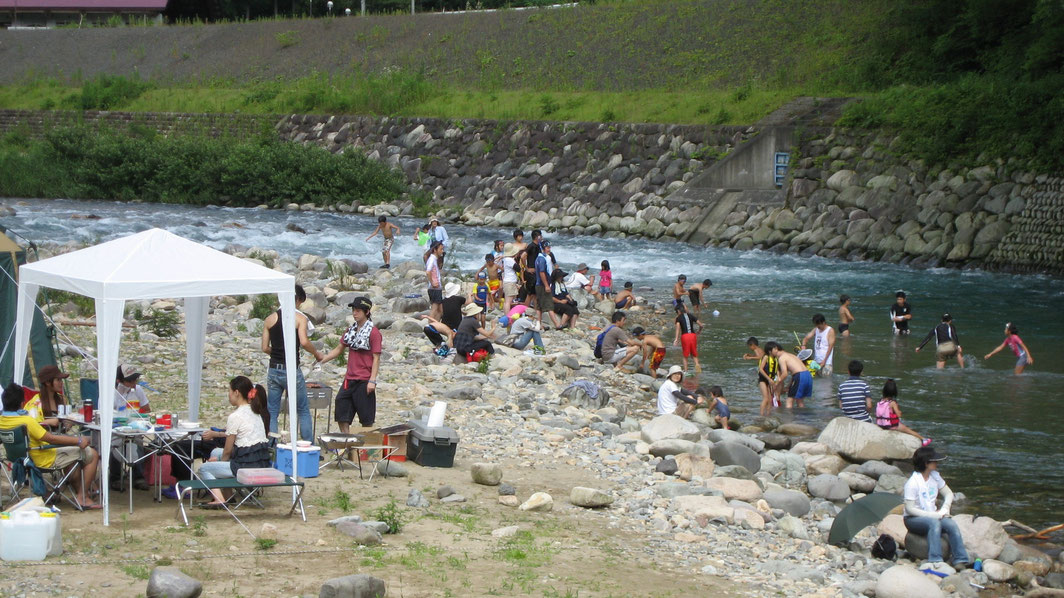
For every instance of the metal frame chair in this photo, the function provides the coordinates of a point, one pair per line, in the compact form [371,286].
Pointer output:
[17,448]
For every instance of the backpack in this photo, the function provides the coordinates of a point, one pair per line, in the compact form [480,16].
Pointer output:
[883,413]
[598,342]
[885,548]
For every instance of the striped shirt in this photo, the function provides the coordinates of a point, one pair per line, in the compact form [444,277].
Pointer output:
[852,395]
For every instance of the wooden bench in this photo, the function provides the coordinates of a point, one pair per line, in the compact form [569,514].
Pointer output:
[247,489]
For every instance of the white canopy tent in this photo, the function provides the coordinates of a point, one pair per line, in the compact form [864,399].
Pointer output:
[150,265]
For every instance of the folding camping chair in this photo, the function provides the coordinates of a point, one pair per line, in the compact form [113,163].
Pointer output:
[17,449]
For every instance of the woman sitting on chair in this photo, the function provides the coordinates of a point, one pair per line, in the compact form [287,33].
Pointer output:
[246,444]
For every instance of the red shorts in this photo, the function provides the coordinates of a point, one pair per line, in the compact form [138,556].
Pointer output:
[689,344]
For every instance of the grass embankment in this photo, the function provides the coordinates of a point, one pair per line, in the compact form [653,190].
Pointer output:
[963,81]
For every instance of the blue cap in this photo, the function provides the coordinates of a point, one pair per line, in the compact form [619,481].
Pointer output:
[503,320]
[482,275]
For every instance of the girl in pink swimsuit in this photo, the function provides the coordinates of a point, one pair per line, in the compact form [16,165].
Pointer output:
[1014,342]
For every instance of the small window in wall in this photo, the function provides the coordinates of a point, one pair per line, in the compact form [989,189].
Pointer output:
[783,161]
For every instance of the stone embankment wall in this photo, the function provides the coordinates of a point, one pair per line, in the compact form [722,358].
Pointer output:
[588,178]
[850,197]
[36,122]
[849,194]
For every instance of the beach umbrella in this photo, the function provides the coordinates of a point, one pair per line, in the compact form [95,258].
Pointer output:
[861,513]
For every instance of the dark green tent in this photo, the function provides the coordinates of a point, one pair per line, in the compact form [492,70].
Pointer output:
[41,352]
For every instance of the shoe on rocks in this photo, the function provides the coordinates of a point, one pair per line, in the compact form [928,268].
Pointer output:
[938,568]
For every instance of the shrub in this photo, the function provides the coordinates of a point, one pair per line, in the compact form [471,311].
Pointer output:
[107,92]
[263,305]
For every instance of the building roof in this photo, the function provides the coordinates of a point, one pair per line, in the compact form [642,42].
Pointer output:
[84,5]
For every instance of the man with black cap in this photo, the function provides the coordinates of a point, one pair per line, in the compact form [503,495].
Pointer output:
[357,394]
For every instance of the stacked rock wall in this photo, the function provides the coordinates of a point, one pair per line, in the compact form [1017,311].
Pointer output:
[850,196]
[36,122]
[588,178]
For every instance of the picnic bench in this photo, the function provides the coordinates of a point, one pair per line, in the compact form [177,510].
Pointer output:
[247,490]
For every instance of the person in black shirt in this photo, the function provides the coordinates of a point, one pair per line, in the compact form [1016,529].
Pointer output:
[900,314]
[441,332]
[276,376]
[947,344]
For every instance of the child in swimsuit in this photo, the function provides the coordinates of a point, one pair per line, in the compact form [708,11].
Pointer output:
[605,280]
[845,317]
[718,402]
[888,415]
[1014,342]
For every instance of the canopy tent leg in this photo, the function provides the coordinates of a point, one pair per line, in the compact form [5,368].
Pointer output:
[27,301]
[287,300]
[109,332]
[195,337]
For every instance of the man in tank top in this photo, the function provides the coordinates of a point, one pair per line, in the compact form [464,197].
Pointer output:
[277,376]
[823,343]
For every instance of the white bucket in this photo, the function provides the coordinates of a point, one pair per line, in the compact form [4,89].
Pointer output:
[27,535]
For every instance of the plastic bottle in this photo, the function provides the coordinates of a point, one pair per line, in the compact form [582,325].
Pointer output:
[978,566]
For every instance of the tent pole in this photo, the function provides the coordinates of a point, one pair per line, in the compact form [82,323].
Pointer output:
[108,338]
[287,299]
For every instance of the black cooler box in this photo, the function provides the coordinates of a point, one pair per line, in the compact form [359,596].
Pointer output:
[431,447]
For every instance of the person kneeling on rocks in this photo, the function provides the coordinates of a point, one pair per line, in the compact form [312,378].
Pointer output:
[470,336]
[673,399]
[923,518]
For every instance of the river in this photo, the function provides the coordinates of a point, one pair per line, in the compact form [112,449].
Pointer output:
[1006,452]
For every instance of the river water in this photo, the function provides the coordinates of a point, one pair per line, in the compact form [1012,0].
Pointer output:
[1004,442]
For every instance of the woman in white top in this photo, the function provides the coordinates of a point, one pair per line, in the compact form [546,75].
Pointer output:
[670,395]
[922,517]
[245,436]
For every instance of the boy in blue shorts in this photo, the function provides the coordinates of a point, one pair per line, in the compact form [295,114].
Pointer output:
[801,387]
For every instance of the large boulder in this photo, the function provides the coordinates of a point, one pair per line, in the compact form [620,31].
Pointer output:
[858,482]
[984,537]
[744,490]
[689,466]
[171,582]
[488,474]
[590,498]
[793,502]
[704,508]
[890,483]
[997,571]
[829,487]
[675,446]
[874,469]
[353,586]
[670,426]
[733,453]
[786,469]
[894,526]
[916,545]
[904,581]
[862,441]
[723,435]
[821,464]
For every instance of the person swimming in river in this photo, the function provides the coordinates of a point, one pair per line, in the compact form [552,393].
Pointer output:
[845,316]
[1014,342]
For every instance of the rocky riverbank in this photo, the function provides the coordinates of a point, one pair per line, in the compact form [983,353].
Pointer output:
[752,505]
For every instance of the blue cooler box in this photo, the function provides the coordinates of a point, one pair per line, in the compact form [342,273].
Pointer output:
[308,460]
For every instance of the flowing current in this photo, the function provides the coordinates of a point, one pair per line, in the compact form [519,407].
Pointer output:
[1005,447]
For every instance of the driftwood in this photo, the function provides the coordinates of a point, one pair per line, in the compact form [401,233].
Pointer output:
[66,322]
[1033,534]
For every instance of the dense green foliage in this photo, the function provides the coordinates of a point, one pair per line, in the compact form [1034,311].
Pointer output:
[107,92]
[964,79]
[78,162]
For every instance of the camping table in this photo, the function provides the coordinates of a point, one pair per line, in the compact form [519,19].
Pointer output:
[167,442]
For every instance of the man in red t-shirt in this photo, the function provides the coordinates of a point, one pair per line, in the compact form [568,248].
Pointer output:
[357,394]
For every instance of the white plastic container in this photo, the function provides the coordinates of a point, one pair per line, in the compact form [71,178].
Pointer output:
[27,535]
